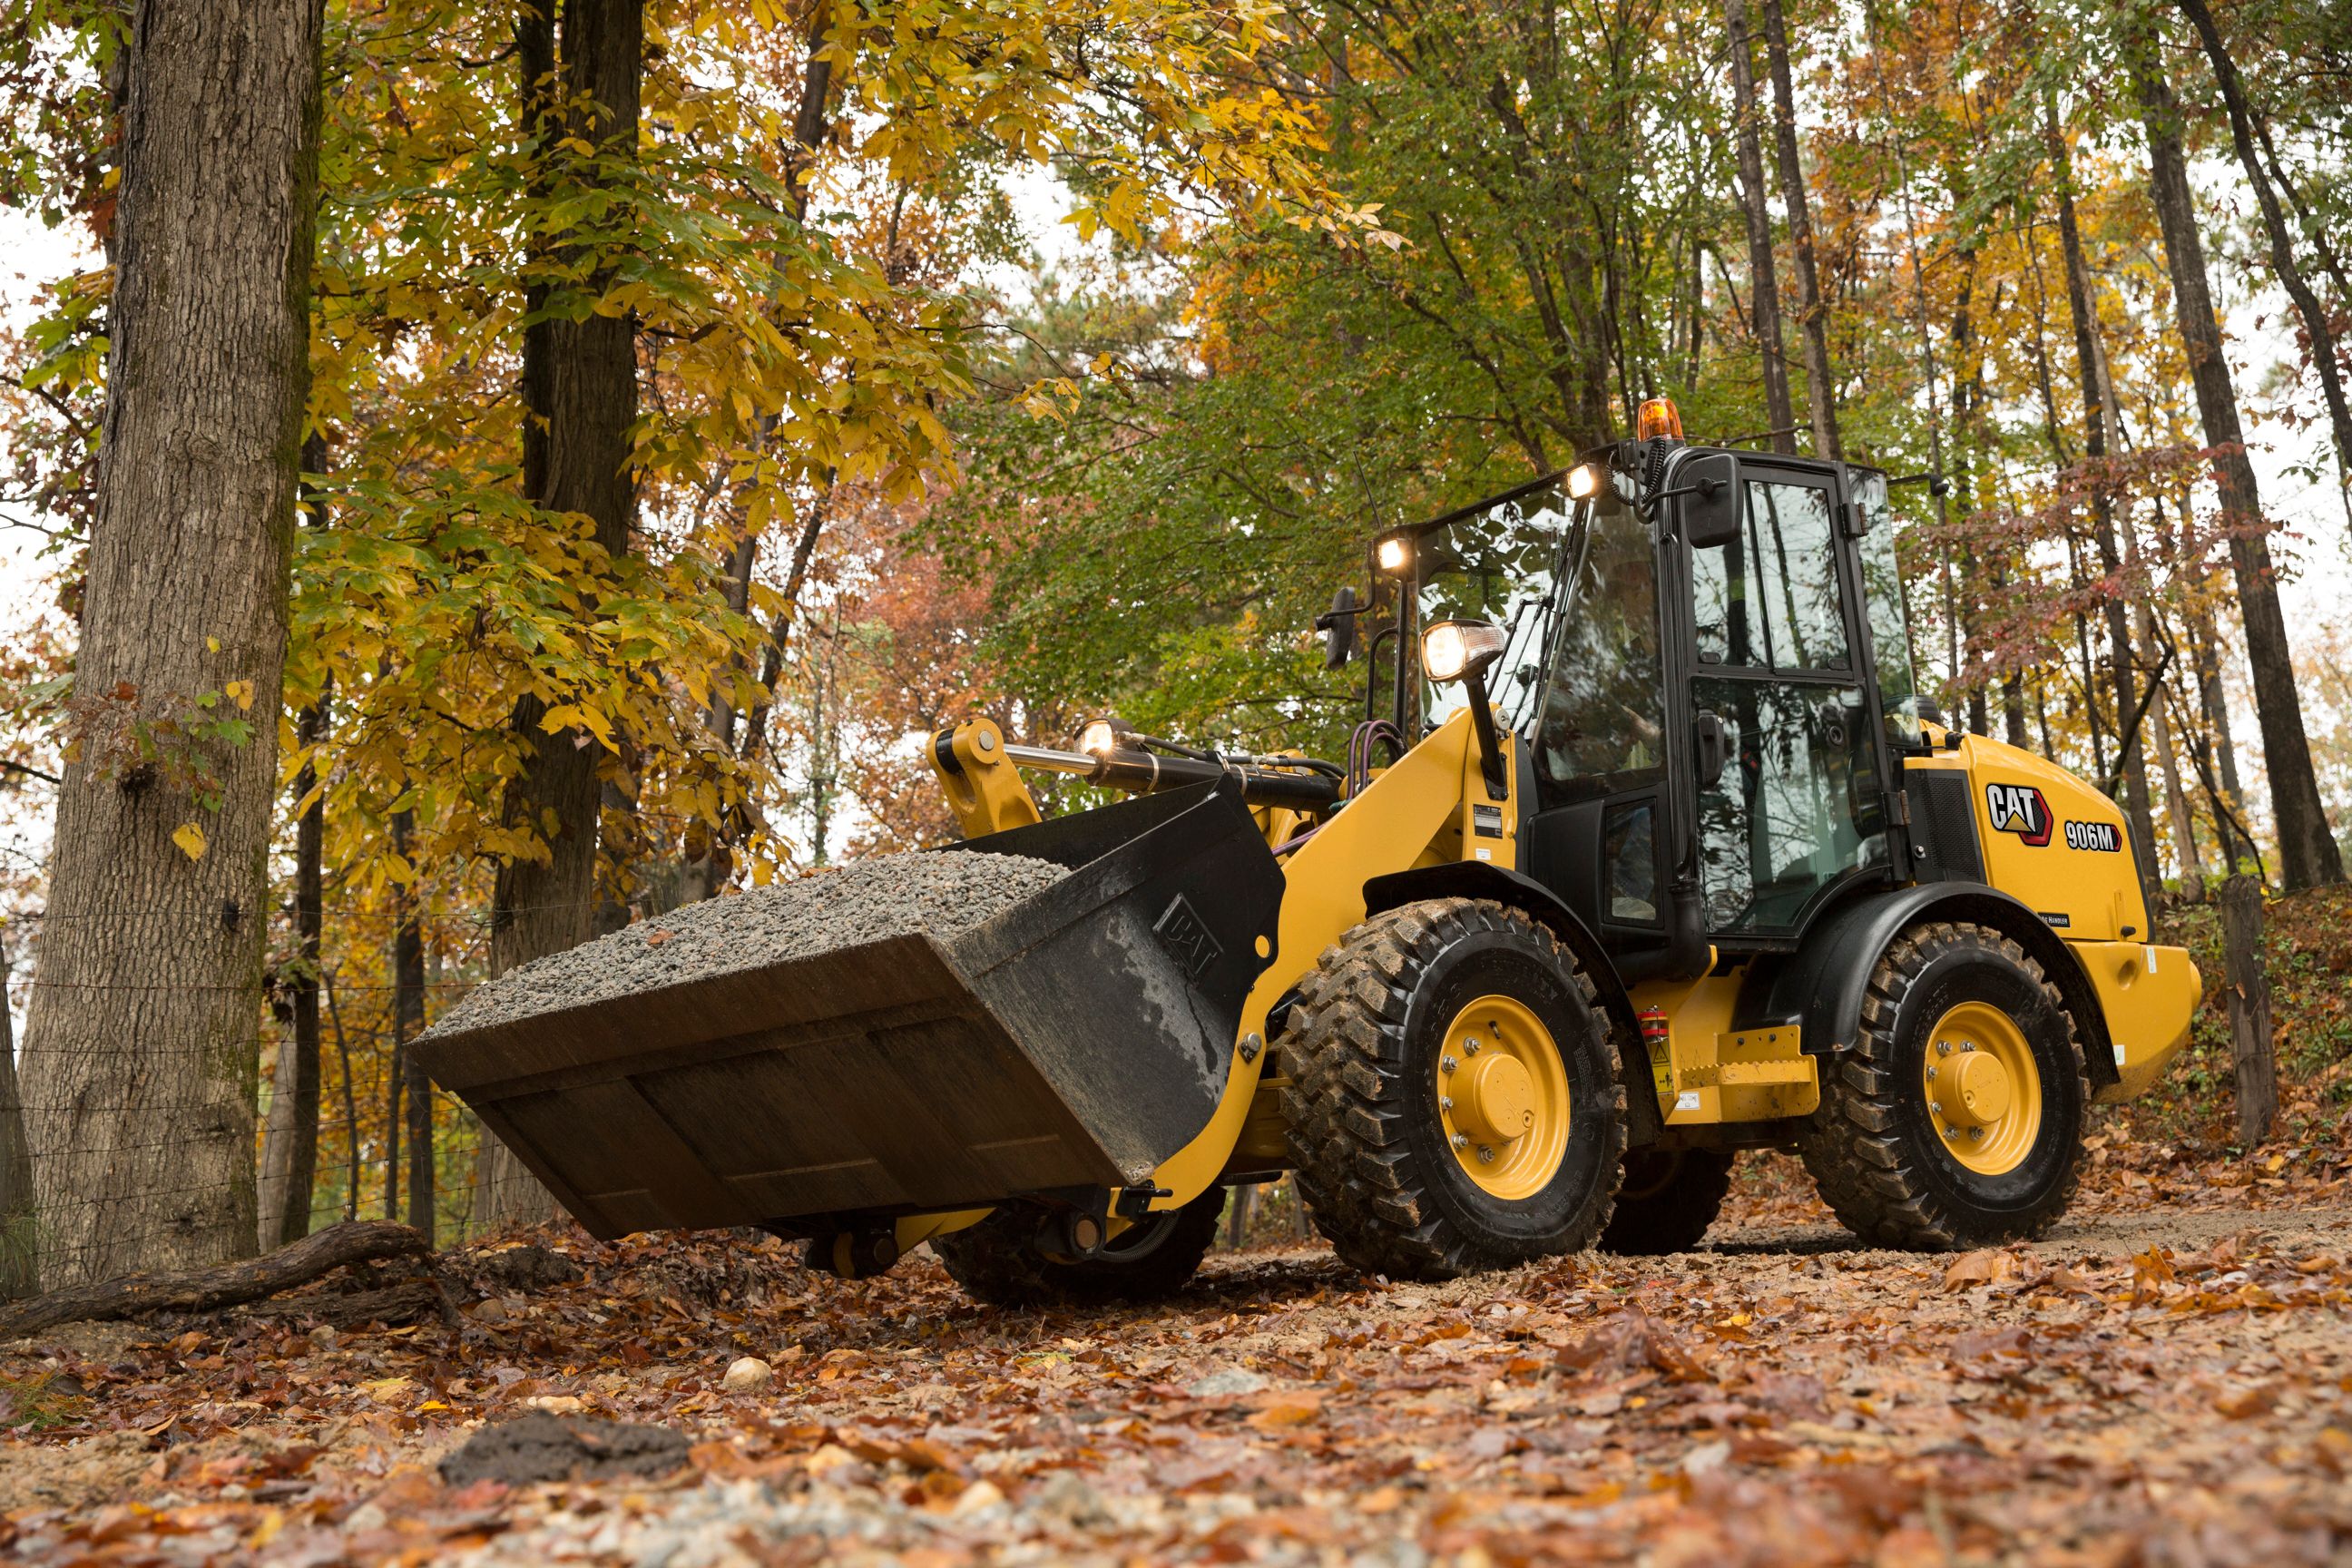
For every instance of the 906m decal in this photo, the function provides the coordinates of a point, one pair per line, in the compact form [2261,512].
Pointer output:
[2093,835]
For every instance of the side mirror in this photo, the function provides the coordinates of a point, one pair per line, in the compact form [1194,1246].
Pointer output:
[1710,746]
[1708,488]
[1338,629]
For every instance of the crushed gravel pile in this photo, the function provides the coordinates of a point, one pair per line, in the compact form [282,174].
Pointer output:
[942,893]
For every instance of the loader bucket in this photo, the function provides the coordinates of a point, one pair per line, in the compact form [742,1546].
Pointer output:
[1076,1040]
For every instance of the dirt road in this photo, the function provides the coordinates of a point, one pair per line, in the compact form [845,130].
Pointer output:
[2151,1385]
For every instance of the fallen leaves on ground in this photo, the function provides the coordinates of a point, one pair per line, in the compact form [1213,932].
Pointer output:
[2150,1387]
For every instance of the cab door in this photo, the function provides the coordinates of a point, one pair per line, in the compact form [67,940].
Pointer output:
[1773,659]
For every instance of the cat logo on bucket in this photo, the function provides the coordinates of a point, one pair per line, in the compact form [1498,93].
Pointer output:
[2018,809]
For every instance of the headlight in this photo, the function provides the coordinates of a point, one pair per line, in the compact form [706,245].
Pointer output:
[1452,649]
[1395,553]
[1100,737]
[1583,482]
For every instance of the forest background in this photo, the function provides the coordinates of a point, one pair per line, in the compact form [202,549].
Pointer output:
[1041,361]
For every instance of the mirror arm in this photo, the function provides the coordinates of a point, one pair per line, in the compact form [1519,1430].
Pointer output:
[1490,745]
[1704,488]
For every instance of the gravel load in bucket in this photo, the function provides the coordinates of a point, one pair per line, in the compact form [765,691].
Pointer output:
[942,893]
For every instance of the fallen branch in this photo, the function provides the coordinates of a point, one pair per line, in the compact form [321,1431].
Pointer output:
[410,1302]
[224,1285]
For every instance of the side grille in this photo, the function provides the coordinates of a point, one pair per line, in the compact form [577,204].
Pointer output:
[1943,827]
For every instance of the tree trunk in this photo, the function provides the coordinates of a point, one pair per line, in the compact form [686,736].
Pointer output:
[17,1270]
[1780,412]
[2308,852]
[408,1023]
[2315,319]
[2247,978]
[290,1142]
[579,384]
[1819,391]
[295,1171]
[139,1061]
[2122,668]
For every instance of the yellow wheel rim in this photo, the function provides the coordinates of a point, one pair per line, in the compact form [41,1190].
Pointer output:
[1502,1097]
[1983,1090]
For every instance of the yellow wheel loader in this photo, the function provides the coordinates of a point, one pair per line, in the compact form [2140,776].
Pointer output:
[1645,851]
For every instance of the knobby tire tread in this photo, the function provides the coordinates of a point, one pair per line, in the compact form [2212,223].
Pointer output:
[1343,1047]
[1868,1172]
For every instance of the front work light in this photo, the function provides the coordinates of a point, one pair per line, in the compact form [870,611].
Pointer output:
[1583,481]
[1394,554]
[1100,737]
[1452,649]
[1658,416]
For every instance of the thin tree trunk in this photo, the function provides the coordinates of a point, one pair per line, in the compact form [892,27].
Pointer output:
[2121,667]
[140,1056]
[351,1108]
[309,933]
[289,1143]
[2315,319]
[2308,852]
[408,1023]
[19,1274]
[579,383]
[391,1130]
[2247,984]
[1764,314]
[1820,390]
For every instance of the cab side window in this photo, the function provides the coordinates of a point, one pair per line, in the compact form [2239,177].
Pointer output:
[1770,599]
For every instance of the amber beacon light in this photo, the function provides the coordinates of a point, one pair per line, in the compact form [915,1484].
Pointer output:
[1658,416]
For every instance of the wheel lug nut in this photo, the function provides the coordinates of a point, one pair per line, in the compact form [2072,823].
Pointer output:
[1486,1153]
[1469,1048]
[1943,1048]
[1445,1102]
[1931,1074]
[1449,1064]
[1975,1133]
[1461,1140]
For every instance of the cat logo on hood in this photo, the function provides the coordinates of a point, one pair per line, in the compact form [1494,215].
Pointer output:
[2018,809]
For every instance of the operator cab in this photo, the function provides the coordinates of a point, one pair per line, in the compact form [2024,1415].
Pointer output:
[1707,679]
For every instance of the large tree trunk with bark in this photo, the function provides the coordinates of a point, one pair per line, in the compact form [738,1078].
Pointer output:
[578,381]
[1764,285]
[139,1060]
[2308,852]
[1819,391]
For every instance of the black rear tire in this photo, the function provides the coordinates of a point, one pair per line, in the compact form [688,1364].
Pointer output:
[1668,1199]
[997,1260]
[1884,1158]
[1364,1046]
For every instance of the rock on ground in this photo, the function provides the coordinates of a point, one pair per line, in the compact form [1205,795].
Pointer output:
[942,893]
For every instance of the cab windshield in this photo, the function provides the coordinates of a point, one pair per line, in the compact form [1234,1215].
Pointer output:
[1496,565]
[1603,717]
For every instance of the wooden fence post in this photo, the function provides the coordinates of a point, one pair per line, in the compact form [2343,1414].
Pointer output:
[2249,1007]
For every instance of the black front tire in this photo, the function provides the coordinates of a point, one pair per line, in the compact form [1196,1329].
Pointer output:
[997,1260]
[1364,1046]
[1873,1147]
[1669,1198]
